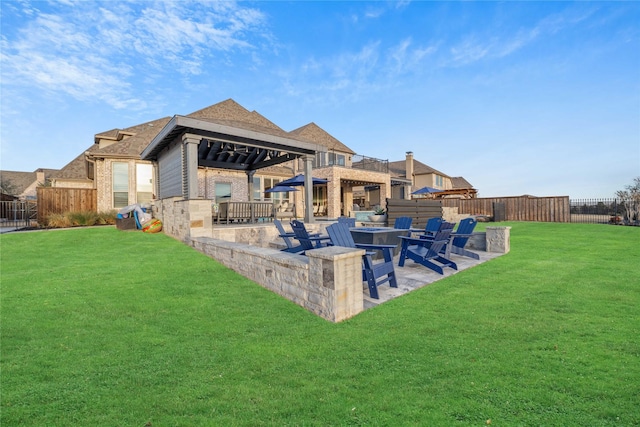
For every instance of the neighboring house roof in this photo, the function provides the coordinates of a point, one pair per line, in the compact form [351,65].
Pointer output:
[459,182]
[16,183]
[316,134]
[77,168]
[399,169]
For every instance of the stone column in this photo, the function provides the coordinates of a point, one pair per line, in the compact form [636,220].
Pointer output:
[347,193]
[308,189]
[337,271]
[385,192]
[190,166]
[499,239]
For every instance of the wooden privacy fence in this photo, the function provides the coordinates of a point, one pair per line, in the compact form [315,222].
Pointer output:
[419,210]
[57,200]
[523,208]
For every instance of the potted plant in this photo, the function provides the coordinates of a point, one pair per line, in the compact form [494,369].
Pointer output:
[378,215]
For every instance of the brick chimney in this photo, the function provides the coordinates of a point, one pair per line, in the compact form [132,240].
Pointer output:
[409,174]
[409,166]
[40,178]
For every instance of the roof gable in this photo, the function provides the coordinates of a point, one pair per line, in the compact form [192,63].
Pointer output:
[316,134]
[231,112]
[133,146]
[400,168]
[76,168]
[459,182]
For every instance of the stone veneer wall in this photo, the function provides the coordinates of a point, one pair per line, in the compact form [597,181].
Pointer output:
[327,281]
[183,219]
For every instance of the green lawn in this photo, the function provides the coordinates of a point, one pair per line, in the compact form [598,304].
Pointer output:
[109,328]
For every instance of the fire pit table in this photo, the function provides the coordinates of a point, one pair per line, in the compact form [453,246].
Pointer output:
[378,236]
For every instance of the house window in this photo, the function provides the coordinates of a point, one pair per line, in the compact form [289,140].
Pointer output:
[336,159]
[277,197]
[439,181]
[120,184]
[223,192]
[320,160]
[144,183]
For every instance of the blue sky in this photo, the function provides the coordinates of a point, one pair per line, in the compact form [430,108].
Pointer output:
[538,98]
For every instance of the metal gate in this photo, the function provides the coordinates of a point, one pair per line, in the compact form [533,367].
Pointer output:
[17,214]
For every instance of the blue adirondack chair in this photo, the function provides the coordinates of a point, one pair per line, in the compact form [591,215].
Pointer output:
[374,274]
[351,222]
[461,237]
[431,228]
[307,241]
[291,247]
[403,223]
[429,251]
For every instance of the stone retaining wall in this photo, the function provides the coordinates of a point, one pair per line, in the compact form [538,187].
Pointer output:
[327,281]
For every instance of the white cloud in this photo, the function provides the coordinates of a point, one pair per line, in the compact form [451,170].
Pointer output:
[491,45]
[404,58]
[89,50]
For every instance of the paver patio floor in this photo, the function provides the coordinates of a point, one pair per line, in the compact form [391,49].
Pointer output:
[414,276]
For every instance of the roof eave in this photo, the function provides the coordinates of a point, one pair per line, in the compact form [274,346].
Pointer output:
[191,125]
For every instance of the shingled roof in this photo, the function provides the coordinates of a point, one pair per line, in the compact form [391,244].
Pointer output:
[132,146]
[130,142]
[399,169]
[16,183]
[230,113]
[459,182]
[76,168]
[316,134]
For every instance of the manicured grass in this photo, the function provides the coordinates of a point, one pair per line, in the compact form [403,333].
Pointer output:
[101,327]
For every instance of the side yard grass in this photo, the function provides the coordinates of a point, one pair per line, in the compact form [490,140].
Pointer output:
[102,327]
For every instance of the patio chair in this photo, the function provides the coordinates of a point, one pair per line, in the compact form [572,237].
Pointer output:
[291,247]
[403,223]
[351,222]
[371,273]
[308,241]
[461,237]
[432,226]
[428,251]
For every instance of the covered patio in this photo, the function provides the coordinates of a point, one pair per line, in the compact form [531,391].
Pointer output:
[185,144]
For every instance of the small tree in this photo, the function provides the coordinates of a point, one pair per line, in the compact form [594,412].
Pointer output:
[7,186]
[631,200]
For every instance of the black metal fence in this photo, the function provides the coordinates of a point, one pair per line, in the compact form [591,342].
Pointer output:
[605,211]
[369,163]
[17,214]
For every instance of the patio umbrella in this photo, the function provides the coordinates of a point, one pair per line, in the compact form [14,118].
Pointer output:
[299,180]
[281,189]
[427,190]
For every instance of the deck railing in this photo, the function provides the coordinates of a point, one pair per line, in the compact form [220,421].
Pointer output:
[249,211]
[369,163]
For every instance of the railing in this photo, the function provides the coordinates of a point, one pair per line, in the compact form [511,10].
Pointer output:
[369,163]
[605,211]
[18,213]
[243,212]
